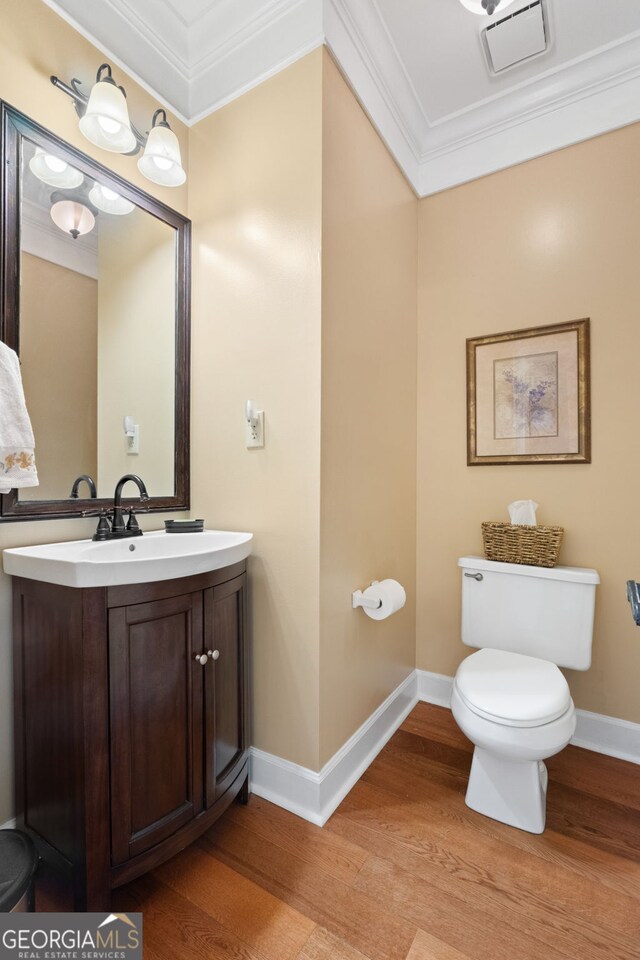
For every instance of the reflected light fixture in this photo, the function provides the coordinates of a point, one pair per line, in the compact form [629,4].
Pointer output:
[72,214]
[54,171]
[104,120]
[161,161]
[108,201]
[486,7]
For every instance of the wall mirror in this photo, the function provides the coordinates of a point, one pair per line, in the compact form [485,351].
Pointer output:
[94,287]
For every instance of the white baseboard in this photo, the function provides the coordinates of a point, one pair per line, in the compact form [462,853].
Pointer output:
[314,796]
[434,688]
[609,735]
[595,731]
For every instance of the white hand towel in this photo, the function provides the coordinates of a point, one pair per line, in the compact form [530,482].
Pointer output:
[17,461]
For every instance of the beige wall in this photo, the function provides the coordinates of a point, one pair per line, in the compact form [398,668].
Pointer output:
[551,240]
[368,493]
[34,43]
[255,202]
[278,186]
[58,313]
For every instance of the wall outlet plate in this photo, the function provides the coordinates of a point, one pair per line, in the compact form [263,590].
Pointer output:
[255,431]
[133,443]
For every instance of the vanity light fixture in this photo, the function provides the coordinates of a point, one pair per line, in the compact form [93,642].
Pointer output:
[161,161]
[72,214]
[54,171]
[486,7]
[104,120]
[108,201]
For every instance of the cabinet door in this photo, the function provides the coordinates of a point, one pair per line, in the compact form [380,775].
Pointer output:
[156,695]
[225,676]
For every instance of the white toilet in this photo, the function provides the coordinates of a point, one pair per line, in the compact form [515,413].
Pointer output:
[510,699]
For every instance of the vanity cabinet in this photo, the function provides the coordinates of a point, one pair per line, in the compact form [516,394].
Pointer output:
[131,721]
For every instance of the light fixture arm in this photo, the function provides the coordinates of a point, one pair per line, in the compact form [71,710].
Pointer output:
[80,101]
[160,123]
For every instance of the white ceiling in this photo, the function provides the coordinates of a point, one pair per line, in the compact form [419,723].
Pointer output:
[417,66]
[438,42]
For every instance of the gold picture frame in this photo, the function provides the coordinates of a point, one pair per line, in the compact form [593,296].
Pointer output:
[528,396]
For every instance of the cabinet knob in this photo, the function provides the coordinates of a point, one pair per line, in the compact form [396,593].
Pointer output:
[214,654]
[201,658]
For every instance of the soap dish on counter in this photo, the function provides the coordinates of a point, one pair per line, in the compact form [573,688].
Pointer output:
[184,526]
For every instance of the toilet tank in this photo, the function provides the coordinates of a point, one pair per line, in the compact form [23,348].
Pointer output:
[539,611]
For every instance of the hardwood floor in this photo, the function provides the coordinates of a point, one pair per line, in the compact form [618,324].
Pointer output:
[405,871]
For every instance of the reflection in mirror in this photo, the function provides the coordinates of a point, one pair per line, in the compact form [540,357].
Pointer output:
[100,319]
[97,315]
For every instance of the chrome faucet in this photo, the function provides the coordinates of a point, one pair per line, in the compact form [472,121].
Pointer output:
[112,528]
[90,483]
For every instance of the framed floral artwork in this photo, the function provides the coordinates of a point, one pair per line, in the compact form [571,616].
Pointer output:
[528,396]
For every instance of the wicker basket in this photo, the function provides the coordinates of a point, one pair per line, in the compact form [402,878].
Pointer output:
[515,543]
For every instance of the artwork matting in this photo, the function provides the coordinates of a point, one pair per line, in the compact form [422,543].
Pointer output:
[528,397]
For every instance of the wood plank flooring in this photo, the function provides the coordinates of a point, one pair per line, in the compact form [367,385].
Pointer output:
[405,871]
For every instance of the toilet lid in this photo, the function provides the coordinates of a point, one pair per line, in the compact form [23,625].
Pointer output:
[512,689]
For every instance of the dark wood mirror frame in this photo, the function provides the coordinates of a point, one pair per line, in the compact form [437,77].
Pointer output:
[15,125]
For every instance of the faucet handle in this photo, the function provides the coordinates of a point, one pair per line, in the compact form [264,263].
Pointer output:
[103,530]
[132,523]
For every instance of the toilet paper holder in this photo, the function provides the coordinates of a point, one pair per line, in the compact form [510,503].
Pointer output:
[633,596]
[359,600]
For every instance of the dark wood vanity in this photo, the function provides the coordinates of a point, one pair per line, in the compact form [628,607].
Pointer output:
[131,721]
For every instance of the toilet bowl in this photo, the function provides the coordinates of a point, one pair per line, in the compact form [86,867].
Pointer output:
[510,699]
[517,711]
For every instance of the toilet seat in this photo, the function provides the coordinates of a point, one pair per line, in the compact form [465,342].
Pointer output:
[512,689]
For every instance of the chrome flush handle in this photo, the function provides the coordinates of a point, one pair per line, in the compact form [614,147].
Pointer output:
[475,576]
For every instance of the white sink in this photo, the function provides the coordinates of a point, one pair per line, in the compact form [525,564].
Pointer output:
[154,556]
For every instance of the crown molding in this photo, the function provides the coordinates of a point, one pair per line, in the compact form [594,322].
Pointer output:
[195,68]
[574,102]
[244,55]
[127,42]
[197,64]
[362,48]
[564,120]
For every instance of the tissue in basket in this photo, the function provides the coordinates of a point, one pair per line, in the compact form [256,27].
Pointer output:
[515,543]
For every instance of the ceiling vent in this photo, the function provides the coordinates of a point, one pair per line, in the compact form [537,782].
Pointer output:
[516,37]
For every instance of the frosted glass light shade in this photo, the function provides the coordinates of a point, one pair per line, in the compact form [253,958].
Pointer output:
[54,171]
[109,201]
[491,6]
[72,217]
[106,121]
[161,162]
